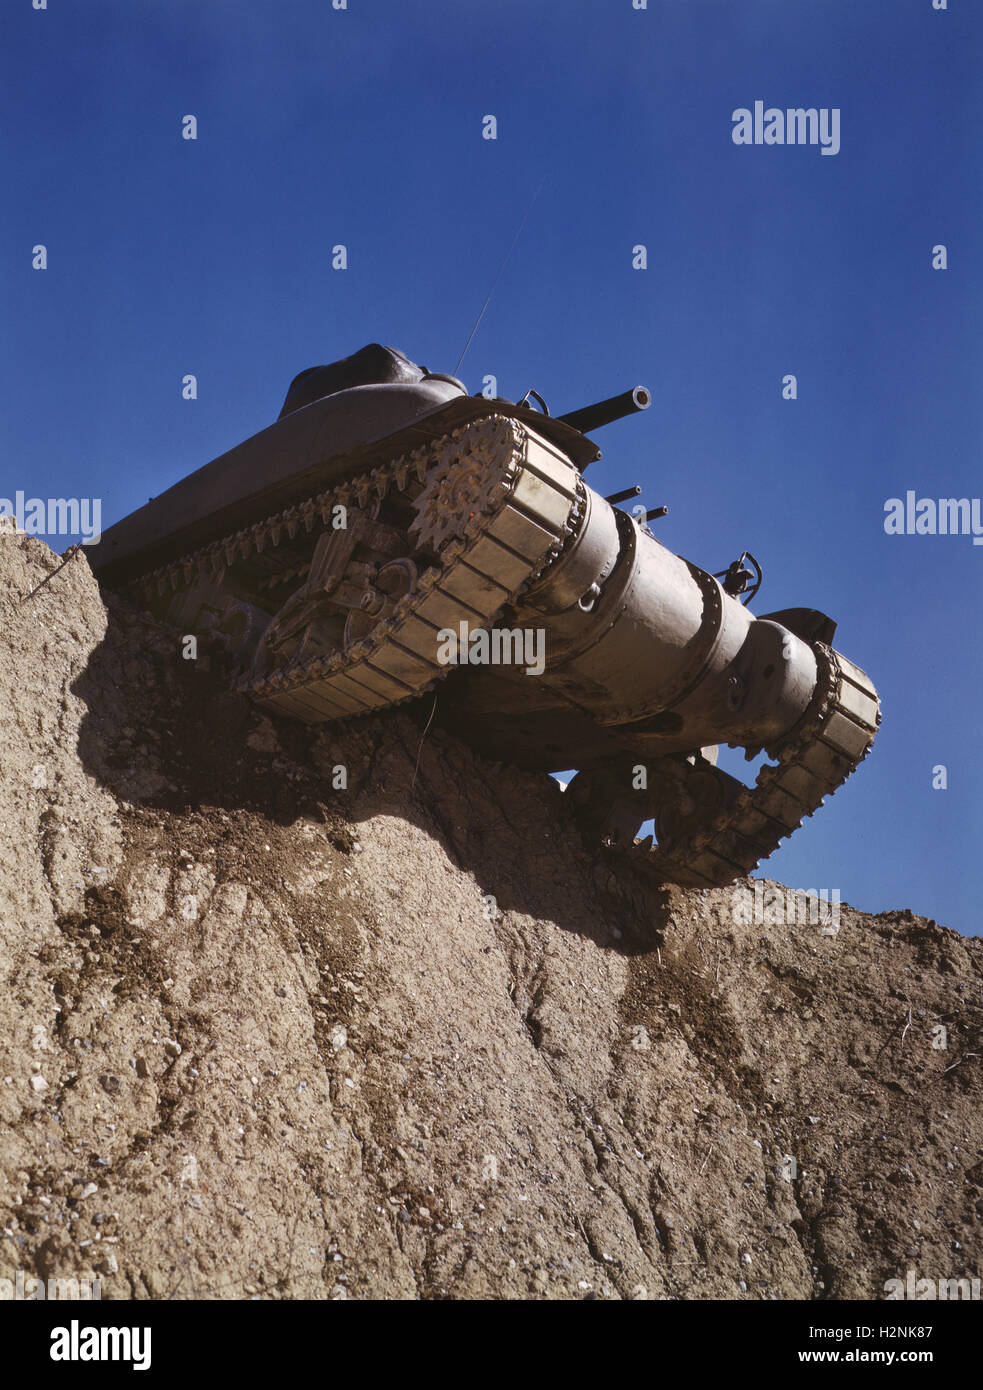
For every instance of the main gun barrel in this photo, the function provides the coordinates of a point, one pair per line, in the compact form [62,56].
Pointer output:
[592,417]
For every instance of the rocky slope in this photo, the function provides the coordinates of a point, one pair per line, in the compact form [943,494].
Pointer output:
[265,1034]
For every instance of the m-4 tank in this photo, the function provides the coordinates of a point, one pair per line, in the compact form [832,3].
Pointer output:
[390,535]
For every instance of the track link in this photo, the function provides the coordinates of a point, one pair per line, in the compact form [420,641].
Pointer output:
[831,740]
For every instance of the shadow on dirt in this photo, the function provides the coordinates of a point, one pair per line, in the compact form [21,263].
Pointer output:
[165,733]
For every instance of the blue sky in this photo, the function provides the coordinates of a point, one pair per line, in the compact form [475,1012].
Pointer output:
[363,127]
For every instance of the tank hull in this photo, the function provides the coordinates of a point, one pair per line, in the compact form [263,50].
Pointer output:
[398,539]
[316,447]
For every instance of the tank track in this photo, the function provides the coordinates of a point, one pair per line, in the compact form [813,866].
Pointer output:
[503,547]
[509,530]
[830,742]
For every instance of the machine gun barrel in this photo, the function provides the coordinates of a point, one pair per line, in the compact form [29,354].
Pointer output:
[592,417]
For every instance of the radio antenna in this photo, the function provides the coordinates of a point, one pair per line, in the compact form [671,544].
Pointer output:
[498,277]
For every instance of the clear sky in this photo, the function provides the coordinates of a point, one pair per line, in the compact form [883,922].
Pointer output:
[363,127]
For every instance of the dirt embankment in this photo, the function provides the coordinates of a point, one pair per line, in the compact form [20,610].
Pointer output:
[266,1035]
